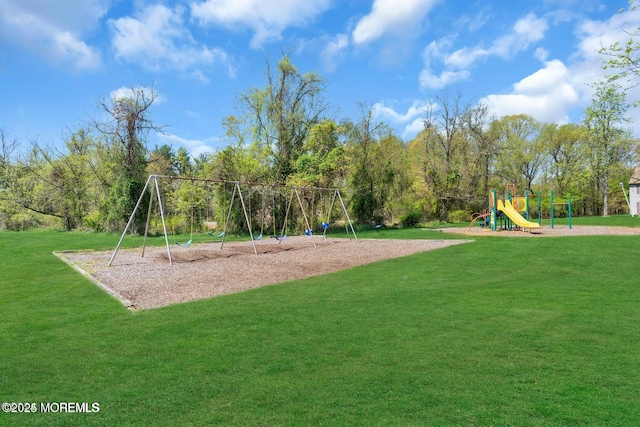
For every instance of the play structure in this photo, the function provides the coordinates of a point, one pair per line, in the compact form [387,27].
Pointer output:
[251,203]
[507,212]
[512,211]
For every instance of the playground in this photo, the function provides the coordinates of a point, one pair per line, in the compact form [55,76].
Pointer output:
[205,270]
[508,212]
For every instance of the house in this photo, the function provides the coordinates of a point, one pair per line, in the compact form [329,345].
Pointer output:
[634,192]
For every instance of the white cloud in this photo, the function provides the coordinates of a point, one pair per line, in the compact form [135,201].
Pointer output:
[158,39]
[428,80]
[382,110]
[413,128]
[333,50]
[594,35]
[547,95]
[267,18]
[53,30]
[524,33]
[391,16]
[541,54]
[465,57]
[195,147]
[587,63]
[544,80]
[472,23]
[412,119]
[559,92]
[130,93]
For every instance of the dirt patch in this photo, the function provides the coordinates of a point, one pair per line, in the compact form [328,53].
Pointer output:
[581,230]
[204,270]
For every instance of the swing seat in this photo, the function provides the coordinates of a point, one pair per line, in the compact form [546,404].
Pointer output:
[308,232]
[184,245]
[325,225]
[280,238]
[259,237]
[216,235]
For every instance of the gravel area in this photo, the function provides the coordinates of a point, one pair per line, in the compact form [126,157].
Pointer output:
[204,270]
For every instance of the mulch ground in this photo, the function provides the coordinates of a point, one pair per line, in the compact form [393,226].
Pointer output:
[205,270]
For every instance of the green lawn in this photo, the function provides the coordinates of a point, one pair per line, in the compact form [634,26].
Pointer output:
[526,332]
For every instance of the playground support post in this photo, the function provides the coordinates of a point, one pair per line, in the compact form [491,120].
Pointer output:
[539,209]
[569,215]
[494,219]
[238,191]
[569,209]
[151,178]
[304,215]
[344,210]
[551,207]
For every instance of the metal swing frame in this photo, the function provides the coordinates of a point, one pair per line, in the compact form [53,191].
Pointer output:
[154,188]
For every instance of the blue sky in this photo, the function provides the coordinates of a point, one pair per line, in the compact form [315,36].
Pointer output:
[59,58]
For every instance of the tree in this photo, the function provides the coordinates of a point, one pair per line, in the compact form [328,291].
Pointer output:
[609,144]
[322,159]
[125,131]
[9,174]
[566,148]
[282,115]
[521,150]
[376,167]
[447,162]
[183,162]
[8,148]
[483,151]
[394,168]
[57,183]
[162,161]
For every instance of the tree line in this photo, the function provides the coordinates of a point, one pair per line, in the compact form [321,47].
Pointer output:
[284,134]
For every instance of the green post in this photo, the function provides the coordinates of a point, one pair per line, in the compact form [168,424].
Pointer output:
[493,212]
[539,210]
[569,208]
[526,204]
[551,207]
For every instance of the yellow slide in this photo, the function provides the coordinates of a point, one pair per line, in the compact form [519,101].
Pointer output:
[514,216]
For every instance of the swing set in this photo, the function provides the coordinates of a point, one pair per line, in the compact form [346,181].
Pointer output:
[154,189]
[295,198]
[296,193]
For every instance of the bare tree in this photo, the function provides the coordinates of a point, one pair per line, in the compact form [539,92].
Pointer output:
[125,129]
[446,152]
[8,149]
[127,125]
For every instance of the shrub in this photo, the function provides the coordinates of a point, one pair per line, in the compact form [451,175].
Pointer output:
[411,219]
[22,221]
[93,221]
[459,216]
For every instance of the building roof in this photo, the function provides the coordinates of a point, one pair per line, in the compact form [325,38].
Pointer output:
[635,177]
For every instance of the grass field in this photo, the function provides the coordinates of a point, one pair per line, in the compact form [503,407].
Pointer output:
[525,332]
